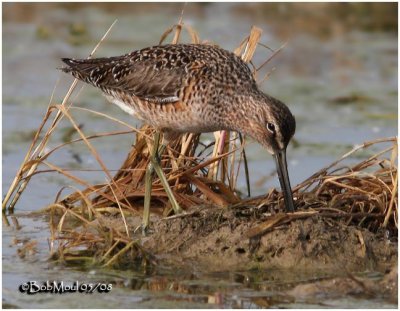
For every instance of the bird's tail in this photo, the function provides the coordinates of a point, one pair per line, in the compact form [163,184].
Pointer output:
[81,69]
[92,71]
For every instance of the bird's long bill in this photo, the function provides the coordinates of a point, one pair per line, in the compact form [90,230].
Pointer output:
[281,166]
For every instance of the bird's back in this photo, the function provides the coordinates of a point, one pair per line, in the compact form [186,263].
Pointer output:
[167,82]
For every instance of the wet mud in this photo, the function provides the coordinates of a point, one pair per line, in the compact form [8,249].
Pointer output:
[232,239]
[222,239]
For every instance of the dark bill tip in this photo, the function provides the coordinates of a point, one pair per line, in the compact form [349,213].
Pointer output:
[281,166]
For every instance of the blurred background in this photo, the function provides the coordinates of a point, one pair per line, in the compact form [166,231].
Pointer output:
[337,73]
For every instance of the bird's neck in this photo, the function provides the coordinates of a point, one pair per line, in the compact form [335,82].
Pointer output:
[243,110]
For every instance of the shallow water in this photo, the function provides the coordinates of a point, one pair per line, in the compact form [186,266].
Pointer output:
[342,90]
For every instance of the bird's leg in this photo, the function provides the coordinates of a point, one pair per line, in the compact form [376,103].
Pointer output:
[147,196]
[154,165]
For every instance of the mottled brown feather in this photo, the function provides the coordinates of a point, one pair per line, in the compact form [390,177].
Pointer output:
[193,88]
[188,88]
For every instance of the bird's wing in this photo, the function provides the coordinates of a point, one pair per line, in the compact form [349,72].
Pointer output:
[152,78]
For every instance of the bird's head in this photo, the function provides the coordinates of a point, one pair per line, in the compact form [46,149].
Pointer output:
[272,124]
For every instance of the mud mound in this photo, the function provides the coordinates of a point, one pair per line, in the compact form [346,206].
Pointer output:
[221,239]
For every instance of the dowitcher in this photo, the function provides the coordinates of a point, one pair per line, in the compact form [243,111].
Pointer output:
[191,88]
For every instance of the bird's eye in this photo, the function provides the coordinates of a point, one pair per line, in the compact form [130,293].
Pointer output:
[271,127]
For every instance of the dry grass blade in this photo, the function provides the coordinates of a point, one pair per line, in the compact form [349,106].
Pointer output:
[166,34]
[193,34]
[392,202]
[120,253]
[216,199]
[272,56]
[251,45]
[41,146]
[92,149]
[270,223]
[323,171]
[120,209]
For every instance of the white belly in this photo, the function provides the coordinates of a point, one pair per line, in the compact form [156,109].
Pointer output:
[128,109]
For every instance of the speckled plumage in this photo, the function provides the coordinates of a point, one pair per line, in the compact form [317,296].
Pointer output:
[192,88]
[186,88]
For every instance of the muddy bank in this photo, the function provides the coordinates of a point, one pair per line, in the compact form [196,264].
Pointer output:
[226,239]
[211,240]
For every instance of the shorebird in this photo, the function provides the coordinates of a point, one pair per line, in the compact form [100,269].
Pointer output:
[195,88]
